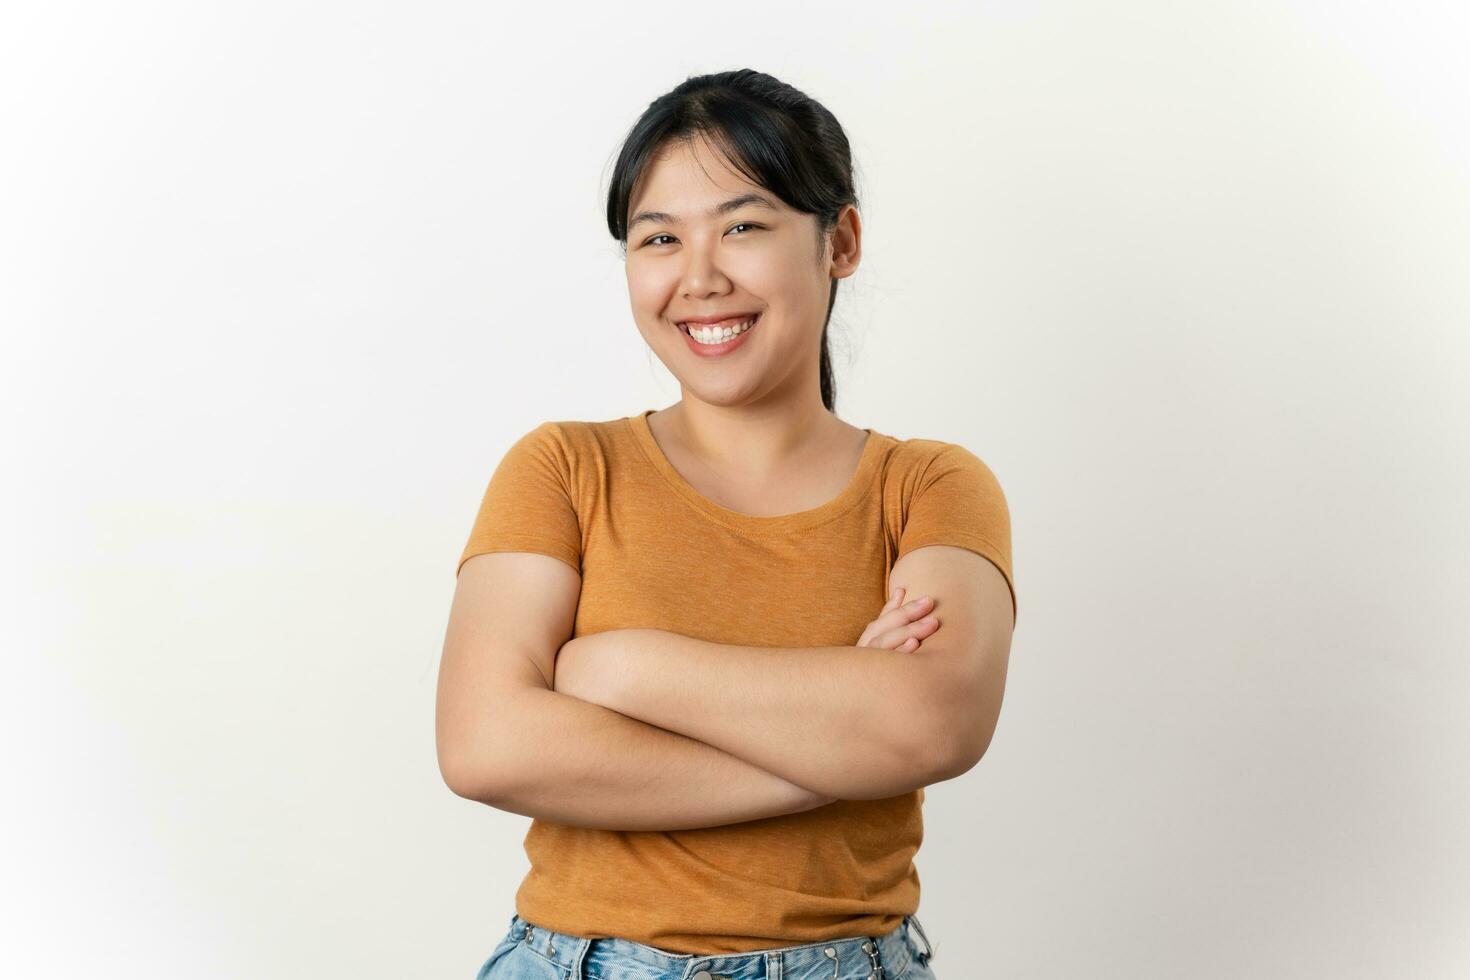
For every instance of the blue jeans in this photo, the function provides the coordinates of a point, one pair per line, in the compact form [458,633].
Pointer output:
[532,952]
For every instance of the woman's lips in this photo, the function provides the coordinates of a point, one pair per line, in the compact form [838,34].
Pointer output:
[725,347]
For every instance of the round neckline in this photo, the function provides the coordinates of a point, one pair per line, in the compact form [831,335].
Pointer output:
[856,489]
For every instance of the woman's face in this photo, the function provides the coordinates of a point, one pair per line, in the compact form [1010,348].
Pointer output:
[688,259]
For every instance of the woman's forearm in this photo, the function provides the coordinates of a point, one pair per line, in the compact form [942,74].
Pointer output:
[585,765]
[850,722]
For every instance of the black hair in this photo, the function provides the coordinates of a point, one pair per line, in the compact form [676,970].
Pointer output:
[776,136]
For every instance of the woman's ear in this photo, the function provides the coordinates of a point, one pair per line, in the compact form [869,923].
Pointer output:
[846,237]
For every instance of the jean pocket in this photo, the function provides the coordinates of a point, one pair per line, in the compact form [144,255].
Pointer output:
[918,970]
[521,961]
[917,941]
[506,945]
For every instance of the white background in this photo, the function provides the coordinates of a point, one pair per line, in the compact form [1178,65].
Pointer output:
[282,282]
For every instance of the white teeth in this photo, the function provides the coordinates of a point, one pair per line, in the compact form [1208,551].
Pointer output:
[712,335]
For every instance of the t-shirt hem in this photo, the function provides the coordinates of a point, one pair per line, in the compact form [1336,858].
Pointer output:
[539,548]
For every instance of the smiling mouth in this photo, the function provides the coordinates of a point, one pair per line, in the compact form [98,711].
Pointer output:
[716,338]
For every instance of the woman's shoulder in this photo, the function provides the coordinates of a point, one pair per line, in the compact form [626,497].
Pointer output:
[574,439]
[914,455]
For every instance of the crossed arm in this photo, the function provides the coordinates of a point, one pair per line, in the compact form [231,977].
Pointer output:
[845,721]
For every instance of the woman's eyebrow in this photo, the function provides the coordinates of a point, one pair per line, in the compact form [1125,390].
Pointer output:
[724,207]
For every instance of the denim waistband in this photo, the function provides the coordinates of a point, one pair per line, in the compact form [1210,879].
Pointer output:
[885,957]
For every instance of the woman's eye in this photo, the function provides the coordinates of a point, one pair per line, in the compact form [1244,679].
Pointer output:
[742,224]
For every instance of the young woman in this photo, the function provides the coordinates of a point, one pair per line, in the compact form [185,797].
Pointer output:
[716,651]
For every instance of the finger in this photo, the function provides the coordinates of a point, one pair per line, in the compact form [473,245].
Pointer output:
[892,638]
[904,614]
[894,615]
[890,641]
[879,636]
[907,646]
[894,599]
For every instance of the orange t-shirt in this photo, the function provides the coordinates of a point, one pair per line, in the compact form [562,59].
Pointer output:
[602,497]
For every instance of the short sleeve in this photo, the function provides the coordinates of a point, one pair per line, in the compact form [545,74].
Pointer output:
[958,501]
[528,505]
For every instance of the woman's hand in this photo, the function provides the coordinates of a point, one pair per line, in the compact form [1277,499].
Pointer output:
[900,625]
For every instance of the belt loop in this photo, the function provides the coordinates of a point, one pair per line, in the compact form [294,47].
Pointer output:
[928,949]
